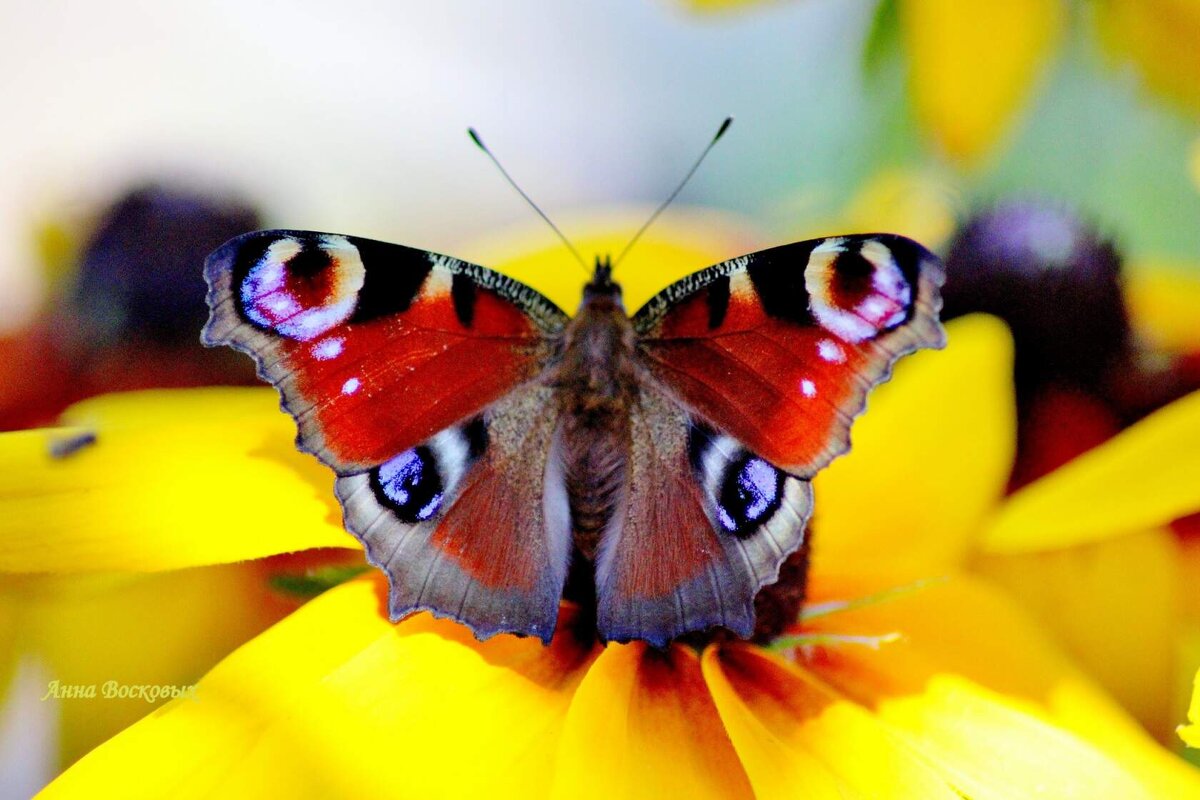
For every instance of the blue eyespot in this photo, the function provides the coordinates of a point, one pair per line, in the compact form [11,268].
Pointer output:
[410,485]
[750,493]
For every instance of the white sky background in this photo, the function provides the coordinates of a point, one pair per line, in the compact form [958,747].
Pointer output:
[351,117]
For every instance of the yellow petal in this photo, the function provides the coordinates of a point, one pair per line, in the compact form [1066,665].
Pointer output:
[1160,37]
[1190,733]
[682,242]
[1163,299]
[174,479]
[1145,477]
[929,459]
[979,692]
[1085,597]
[335,701]
[133,630]
[796,738]
[642,724]
[974,65]
[1193,165]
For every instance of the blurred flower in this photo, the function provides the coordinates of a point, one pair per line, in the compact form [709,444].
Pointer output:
[720,5]
[1098,347]
[920,204]
[1158,38]
[1194,163]
[1085,369]
[972,66]
[126,315]
[82,628]
[335,700]
[1056,283]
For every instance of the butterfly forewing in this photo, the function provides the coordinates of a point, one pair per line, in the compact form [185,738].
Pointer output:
[779,348]
[374,347]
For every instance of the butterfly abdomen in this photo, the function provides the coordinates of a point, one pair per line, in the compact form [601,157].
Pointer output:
[597,386]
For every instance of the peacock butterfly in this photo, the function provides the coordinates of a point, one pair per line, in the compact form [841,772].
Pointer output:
[486,443]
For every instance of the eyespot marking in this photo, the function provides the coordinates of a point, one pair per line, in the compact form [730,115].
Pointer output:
[301,289]
[750,493]
[743,490]
[856,293]
[410,484]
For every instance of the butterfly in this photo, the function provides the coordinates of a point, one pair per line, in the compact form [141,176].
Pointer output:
[489,448]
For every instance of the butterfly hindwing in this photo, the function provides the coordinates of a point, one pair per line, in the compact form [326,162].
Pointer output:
[703,524]
[374,347]
[474,523]
[779,348]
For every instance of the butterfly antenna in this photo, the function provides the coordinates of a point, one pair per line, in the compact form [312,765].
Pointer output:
[720,132]
[479,143]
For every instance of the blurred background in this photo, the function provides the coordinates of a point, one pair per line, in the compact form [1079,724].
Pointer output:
[1048,148]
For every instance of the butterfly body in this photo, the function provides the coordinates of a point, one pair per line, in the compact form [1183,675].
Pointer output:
[597,382]
[493,452]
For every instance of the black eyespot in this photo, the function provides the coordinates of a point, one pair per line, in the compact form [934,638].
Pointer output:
[410,484]
[750,493]
[851,280]
[309,263]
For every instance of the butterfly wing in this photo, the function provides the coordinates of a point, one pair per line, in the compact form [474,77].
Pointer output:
[409,373]
[779,348]
[755,368]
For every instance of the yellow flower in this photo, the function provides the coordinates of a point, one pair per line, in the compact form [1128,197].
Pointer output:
[335,700]
[974,66]
[1158,37]
[1193,163]
[1142,576]
[1081,592]
[157,628]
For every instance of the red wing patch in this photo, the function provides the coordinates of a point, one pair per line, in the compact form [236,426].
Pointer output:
[780,348]
[374,347]
[516,490]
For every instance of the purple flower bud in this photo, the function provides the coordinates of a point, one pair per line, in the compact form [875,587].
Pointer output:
[141,274]
[1053,278]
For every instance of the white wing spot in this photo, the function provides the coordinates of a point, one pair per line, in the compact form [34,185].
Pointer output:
[328,348]
[831,351]
[808,388]
[351,386]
